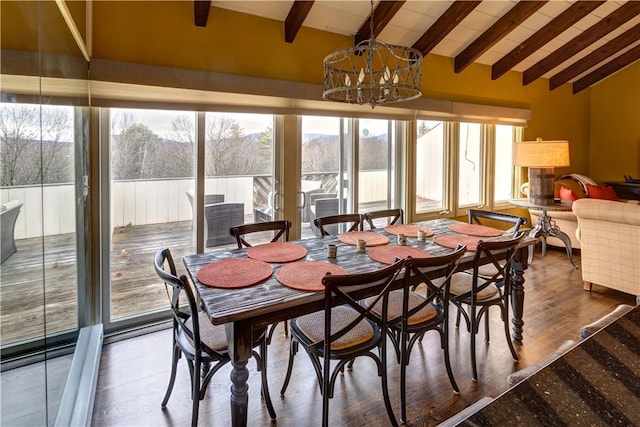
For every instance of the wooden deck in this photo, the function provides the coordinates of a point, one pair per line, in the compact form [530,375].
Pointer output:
[42,273]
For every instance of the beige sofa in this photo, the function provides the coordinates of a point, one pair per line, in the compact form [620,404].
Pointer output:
[609,234]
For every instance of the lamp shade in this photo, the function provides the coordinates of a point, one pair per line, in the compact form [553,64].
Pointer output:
[541,154]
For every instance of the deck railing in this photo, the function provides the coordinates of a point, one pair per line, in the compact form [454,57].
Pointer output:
[48,210]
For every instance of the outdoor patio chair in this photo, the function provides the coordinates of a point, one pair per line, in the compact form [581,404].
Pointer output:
[219,218]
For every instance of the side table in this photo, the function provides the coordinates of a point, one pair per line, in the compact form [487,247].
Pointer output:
[545,226]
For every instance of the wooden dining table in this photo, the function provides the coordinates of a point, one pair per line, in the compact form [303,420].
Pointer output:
[247,311]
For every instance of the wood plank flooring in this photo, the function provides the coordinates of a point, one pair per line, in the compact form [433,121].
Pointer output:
[134,372]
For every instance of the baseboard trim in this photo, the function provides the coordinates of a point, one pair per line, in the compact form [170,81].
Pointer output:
[76,405]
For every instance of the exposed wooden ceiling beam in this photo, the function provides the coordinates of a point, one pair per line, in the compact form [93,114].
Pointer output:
[297,14]
[606,51]
[382,14]
[594,33]
[559,24]
[201,10]
[607,69]
[458,10]
[510,20]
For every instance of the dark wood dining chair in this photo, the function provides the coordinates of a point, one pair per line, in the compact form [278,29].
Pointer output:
[410,315]
[489,218]
[203,344]
[329,224]
[477,292]
[279,228]
[344,331]
[394,216]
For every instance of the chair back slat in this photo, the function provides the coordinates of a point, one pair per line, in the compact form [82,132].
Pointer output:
[493,251]
[478,216]
[337,289]
[355,221]
[396,215]
[279,228]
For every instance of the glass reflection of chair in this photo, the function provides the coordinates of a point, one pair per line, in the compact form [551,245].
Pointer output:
[203,344]
[394,216]
[344,332]
[328,225]
[479,292]
[279,229]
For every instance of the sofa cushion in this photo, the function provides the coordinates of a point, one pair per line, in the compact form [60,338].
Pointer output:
[601,192]
[567,194]
[571,184]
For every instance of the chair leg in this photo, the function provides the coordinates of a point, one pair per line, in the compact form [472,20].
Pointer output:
[474,331]
[507,334]
[265,384]
[385,386]
[403,378]
[172,379]
[447,361]
[486,325]
[195,394]
[293,349]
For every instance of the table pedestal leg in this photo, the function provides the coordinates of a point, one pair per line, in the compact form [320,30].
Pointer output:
[517,299]
[239,339]
[545,228]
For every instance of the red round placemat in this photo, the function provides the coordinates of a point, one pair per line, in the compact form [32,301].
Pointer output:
[234,273]
[307,275]
[371,237]
[277,252]
[388,254]
[475,230]
[453,240]
[409,230]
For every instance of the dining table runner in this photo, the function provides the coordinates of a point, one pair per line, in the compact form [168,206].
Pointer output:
[307,275]
[277,252]
[234,273]
[409,230]
[475,230]
[389,254]
[371,237]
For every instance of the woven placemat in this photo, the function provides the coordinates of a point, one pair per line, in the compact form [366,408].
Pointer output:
[453,240]
[307,275]
[371,237]
[277,252]
[234,273]
[475,230]
[388,254]
[409,230]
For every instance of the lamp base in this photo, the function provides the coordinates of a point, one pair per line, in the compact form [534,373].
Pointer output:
[541,186]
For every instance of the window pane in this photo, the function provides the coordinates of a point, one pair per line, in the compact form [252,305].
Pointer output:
[238,173]
[37,192]
[503,163]
[469,164]
[430,177]
[374,169]
[322,161]
[151,173]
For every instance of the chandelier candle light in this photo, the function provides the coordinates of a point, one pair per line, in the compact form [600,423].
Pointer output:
[541,157]
[373,72]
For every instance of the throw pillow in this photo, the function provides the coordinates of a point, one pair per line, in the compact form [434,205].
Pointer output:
[601,192]
[567,194]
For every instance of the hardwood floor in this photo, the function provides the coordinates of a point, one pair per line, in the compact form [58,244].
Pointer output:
[134,373]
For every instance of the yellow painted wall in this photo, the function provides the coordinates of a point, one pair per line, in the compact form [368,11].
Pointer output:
[615,126]
[163,33]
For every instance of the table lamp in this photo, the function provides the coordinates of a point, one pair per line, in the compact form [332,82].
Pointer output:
[541,157]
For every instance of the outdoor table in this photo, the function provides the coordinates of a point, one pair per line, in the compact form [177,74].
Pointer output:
[249,310]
